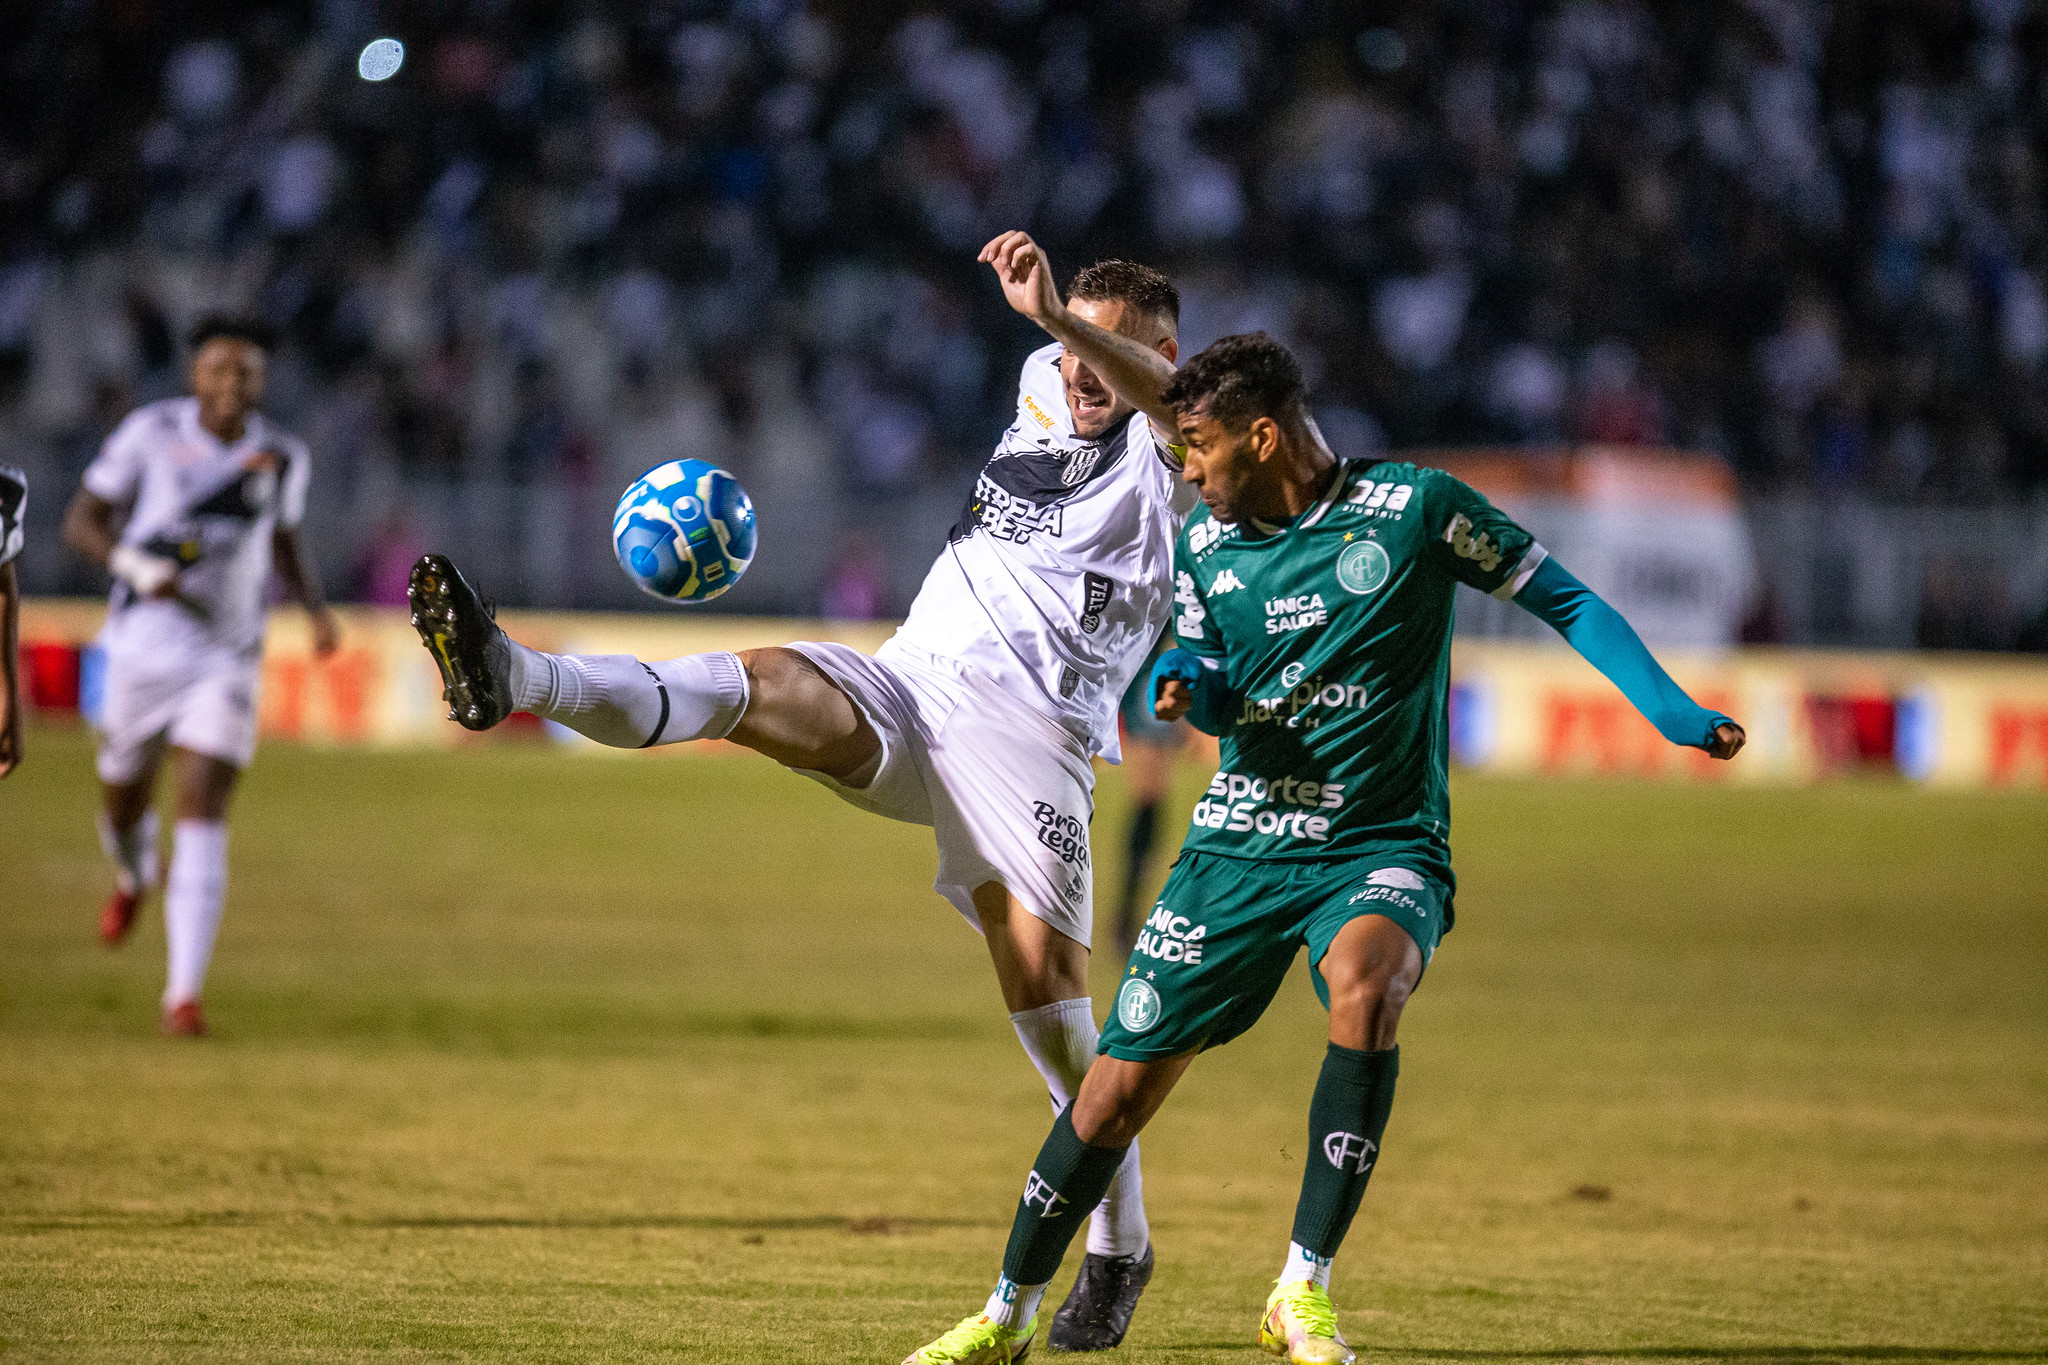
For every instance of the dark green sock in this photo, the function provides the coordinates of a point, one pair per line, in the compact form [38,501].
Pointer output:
[1067,1181]
[1346,1120]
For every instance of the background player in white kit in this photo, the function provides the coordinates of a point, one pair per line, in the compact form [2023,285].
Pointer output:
[214,493]
[981,716]
[13,509]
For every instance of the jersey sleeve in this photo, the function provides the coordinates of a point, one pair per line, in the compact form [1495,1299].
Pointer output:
[1192,628]
[298,473]
[13,512]
[1474,541]
[116,472]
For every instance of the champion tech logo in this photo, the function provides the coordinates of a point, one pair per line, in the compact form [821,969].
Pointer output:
[1349,1151]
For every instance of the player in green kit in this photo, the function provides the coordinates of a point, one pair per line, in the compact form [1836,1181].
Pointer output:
[1313,619]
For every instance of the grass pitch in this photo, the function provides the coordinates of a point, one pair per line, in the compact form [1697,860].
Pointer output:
[526,1056]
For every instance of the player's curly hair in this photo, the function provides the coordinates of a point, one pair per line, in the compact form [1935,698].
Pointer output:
[258,334]
[1140,286]
[1242,378]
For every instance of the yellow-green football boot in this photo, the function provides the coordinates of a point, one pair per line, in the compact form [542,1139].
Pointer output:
[1301,1324]
[979,1340]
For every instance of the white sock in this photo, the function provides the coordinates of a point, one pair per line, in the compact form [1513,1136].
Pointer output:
[1013,1305]
[193,895]
[616,699]
[1303,1264]
[1060,1040]
[132,851]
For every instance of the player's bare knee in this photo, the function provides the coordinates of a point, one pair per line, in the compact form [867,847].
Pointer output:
[1108,1118]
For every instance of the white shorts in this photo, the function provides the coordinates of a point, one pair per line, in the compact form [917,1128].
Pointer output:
[1008,792]
[204,701]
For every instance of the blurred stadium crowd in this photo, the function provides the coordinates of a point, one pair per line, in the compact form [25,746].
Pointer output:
[569,239]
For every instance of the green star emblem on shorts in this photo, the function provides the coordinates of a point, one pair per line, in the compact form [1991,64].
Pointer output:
[1225,931]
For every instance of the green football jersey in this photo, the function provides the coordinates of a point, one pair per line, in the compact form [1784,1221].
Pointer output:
[1335,635]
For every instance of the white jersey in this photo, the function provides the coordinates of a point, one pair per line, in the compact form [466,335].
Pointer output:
[1058,578]
[13,507]
[211,507]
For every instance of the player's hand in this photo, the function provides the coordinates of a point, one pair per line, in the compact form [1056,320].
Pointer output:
[1176,699]
[326,632]
[1727,741]
[1026,276]
[150,575]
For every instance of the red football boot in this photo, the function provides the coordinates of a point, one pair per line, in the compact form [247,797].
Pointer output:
[184,1021]
[119,916]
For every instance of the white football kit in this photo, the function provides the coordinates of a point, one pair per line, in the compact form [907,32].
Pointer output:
[186,668]
[1003,683]
[13,509]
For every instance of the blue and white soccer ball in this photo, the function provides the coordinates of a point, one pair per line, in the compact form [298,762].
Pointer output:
[684,531]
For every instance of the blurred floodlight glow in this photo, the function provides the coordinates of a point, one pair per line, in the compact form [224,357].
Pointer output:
[381,59]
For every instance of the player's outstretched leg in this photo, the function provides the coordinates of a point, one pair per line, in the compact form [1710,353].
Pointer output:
[1072,1172]
[614,699]
[1371,967]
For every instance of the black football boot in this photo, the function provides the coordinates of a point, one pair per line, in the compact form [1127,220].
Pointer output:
[1098,1309]
[461,631]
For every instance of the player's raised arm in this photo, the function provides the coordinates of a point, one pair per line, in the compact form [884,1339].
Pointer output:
[1133,355]
[1607,641]
[1483,547]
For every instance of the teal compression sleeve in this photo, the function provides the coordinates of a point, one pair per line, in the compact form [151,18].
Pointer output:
[1598,632]
[1211,712]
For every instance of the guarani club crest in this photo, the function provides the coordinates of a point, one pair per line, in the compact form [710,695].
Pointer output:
[1137,1005]
[1363,566]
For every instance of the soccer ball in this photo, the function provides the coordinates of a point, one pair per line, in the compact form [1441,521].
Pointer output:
[684,531]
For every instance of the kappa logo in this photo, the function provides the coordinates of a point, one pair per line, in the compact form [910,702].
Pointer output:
[1349,1151]
[1227,581]
[1137,1005]
[1041,1196]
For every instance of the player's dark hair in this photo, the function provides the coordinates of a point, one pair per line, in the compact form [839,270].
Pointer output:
[1127,282]
[1242,378]
[257,334]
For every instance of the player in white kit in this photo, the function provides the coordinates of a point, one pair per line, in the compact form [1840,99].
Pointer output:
[981,716]
[213,494]
[13,508]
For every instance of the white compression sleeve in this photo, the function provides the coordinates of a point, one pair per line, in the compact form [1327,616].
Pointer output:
[1060,1040]
[617,700]
[193,895]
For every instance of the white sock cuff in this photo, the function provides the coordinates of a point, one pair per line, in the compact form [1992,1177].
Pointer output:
[206,840]
[1060,1040]
[1303,1264]
[1013,1305]
[728,678]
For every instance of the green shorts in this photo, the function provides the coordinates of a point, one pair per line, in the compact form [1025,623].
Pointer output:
[1225,931]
